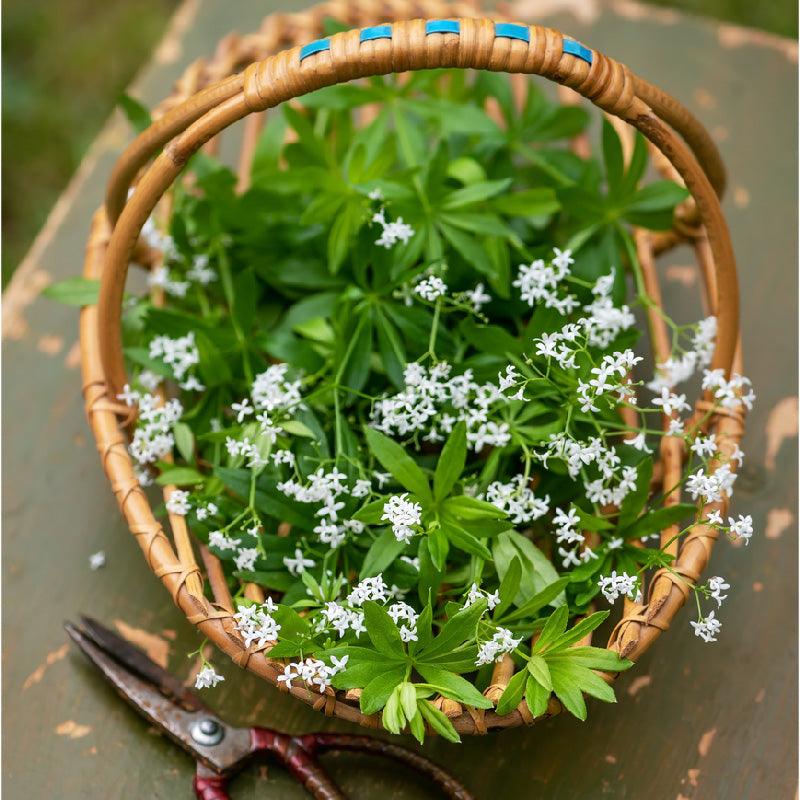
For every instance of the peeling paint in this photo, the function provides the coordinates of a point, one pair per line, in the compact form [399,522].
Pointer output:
[639,683]
[21,292]
[585,11]
[170,48]
[758,586]
[682,273]
[778,520]
[781,425]
[53,657]
[704,745]
[630,10]
[50,344]
[720,133]
[737,36]
[155,646]
[72,729]
[705,99]
[741,197]
[73,357]
[610,759]
[760,696]
[692,775]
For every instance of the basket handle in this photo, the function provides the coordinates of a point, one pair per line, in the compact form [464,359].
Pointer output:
[399,47]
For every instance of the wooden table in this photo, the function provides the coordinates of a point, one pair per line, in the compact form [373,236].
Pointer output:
[693,720]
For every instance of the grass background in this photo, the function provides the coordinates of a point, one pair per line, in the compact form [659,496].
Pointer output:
[60,84]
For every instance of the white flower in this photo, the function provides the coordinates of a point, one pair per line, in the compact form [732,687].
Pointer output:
[97,560]
[179,354]
[509,379]
[245,558]
[477,297]
[716,586]
[256,623]
[431,288]
[200,271]
[178,503]
[714,518]
[639,442]
[707,628]
[299,563]
[671,403]
[705,446]
[502,642]
[207,677]
[220,541]
[742,528]
[242,410]
[613,585]
[393,232]
[271,390]
[402,514]
[128,395]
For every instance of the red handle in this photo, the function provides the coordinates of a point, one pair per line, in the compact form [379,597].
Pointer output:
[208,786]
[297,759]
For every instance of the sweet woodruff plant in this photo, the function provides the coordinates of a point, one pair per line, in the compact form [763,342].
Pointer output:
[389,380]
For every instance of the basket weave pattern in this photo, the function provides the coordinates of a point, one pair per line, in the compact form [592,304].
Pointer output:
[277,67]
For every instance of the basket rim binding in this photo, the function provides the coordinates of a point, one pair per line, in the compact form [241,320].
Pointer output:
[479,44]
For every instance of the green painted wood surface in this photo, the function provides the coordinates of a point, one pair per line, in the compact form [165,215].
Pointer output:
[693,720]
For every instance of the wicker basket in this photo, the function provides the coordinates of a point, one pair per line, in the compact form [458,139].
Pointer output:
[286,59]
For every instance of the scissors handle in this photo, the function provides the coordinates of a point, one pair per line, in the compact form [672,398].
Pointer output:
[208,786]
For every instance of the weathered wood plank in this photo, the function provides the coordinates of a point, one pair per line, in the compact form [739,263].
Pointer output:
[693,721]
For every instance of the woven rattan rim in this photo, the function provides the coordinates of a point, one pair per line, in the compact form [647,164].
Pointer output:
[209,98]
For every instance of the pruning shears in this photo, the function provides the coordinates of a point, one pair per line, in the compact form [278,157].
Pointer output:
[220,749]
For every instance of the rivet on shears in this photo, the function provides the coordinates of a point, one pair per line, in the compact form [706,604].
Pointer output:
[207,732]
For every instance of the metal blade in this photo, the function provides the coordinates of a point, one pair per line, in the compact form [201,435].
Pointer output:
[178,723]
[139,663]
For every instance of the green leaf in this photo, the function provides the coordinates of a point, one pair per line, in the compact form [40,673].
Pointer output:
[136,113]
[184,440]
[371,513]
[394,459]
[555,626]
[539,670]
[512,695]
[657,196]
[416,725]
[354,368]
[245,295]
[596,658]
[509,586]
[475,193]
[538,202]
[382,552]
[612,158]
[393,718]
[438,721]
[590,522]
[392,350]
[537,573]
[382,631]
[539,601]
[568,691]
[453,686]
[380,688]
[536,696]
[179,476]
[470,508]
[459,628]
[438,547]
[465,541]
[74,291]
[576,633]
[657,521]
[408,699]
[451,462]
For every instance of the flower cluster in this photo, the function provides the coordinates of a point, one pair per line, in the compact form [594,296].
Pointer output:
[433,402]
[517,500]
[402,514]
[180,354]
[153,438]
[495,648]
[391,232]
[313,672]
[256,624]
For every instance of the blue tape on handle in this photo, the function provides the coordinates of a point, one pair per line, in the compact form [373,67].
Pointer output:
[576,49]
[442,26]
[508,30]
[376,32]
[314,47]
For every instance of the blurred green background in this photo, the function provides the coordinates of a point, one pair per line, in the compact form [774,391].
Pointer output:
[65,63]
